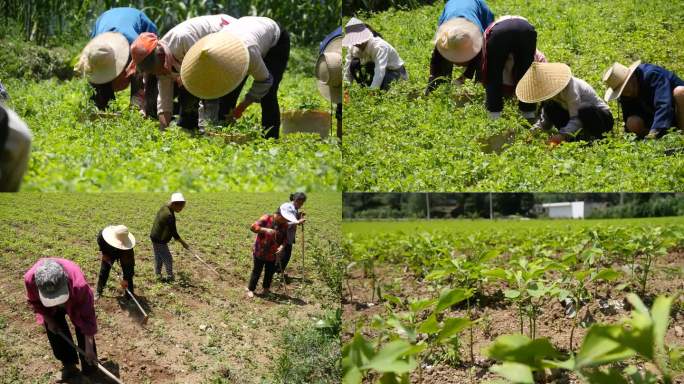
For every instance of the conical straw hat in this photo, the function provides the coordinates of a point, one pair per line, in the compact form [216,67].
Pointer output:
[329,71]
[543,81]
[458,40]
[104,58]
[215,65]
[616,78]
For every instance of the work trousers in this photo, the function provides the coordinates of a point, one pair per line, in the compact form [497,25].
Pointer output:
[62,350]
[269,268]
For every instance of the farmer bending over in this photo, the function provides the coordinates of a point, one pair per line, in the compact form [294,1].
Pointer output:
[219,65]
[568,103]
[294,217]
[56,288]
[652,98]
[269,244]
[105,58]
[163,229]
[116,243]
[329,73]
[369,53]
[164,57]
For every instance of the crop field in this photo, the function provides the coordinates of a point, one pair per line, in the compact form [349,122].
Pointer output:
[403,141]
[541,301]
[77,149]
[201,328]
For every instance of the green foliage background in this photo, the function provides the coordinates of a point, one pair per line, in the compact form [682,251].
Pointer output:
[402,141]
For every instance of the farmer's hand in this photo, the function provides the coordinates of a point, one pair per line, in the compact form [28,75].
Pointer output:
[51,324]
[107,259]
[556,140]
[279,252]
[240,109]
[124,284]
[652,135]
[184,244]
[302,221]
[90,355]
[164,120]
[346,96]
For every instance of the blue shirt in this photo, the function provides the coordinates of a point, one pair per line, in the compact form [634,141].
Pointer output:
[130,22]
[475,11]
[331,36]
[654,101]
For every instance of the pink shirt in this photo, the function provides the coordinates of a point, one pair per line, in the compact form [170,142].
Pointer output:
[81,304]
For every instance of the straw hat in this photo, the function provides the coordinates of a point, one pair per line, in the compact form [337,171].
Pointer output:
[118,237]
[543,81]
[616,78]
[215,65]
[356,32]
[329,71]
[459,40]
[104,58]
[52,283]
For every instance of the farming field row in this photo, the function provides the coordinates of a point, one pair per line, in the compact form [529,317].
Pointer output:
[201,328]
[403,141]
[76,149]
[538,301]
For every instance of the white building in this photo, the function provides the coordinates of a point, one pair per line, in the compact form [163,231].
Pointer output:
[566,210]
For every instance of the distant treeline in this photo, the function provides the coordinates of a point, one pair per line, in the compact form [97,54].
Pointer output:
[478,205]
[354,7]
[54,21]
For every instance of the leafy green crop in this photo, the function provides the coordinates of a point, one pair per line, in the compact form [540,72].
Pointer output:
[403,141]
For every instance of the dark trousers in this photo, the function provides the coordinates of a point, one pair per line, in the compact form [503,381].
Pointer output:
[104,93]
[514,37]
[62,350]
[186,108]
[285,258]
[276,63]
[105,267]
[363,74]
[261,265]
[440,71]
[595,121]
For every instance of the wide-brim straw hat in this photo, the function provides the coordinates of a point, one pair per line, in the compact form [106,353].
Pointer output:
[215,65]
[329,71]
[118,237]
[104,57]
[459,40]
[543,81]
[616,78]
[355,33]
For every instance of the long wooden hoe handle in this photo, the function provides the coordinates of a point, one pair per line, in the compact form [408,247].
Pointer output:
[82,352]
[111,265]
[206,264]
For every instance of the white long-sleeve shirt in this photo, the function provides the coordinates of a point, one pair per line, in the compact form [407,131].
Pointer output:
[576,95]
[379,52]
[179,40]
[259,34]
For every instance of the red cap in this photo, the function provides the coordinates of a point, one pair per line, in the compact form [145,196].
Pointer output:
[141,48]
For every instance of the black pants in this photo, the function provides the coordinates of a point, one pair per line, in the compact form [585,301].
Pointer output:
[440,71]
[276,62]
[62,350]
[260,265]
[595,121]
[363,74]
[514,37]
[285,258]
[104,93]
[128,272]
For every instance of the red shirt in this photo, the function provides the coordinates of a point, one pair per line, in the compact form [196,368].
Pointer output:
[81,304]
[266,245]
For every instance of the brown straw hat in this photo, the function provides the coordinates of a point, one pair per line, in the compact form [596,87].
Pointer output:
[616,78]
[459,40]
[104,58]
[543,81]
[215,65]
[329,71]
